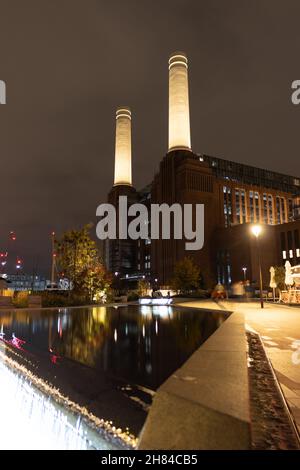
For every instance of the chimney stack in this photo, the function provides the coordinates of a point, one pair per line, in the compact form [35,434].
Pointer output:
[179,113]
[123,147]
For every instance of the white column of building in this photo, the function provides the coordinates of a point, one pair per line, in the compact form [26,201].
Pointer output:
[123,147]
[179,113]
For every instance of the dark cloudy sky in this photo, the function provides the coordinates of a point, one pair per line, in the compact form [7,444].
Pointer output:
[69,63]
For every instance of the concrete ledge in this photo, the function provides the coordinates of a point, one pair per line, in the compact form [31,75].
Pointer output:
[205,403]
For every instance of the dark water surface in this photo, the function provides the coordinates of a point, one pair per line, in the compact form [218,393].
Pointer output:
[107,359]
[139,344]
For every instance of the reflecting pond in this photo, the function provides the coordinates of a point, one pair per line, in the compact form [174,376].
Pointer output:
[141,345]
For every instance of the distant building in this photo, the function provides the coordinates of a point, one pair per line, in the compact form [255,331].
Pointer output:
[3,285]
[20,282]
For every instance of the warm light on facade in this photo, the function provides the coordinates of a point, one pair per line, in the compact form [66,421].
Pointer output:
[123,147]
[179,113]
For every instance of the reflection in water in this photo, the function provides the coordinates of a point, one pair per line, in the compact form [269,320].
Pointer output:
[32,420]
[139,344]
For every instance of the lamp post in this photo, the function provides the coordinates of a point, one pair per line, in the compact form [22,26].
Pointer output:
[53,256]
[244,269]
[256,230]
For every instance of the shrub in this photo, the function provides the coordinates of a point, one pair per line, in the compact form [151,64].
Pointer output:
[63,299]
[20,299]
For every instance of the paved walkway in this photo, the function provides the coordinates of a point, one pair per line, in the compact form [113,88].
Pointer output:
[279,327]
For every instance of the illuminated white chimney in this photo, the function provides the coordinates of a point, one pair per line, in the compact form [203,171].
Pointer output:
[123,147]
[179,112]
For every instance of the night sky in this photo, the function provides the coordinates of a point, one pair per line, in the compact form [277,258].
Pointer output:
[68,64]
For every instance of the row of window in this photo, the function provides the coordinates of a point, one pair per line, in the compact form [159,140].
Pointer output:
[253,207]
[246,174]
[291,253]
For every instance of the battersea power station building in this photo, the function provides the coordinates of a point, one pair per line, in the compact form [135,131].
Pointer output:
[234,197]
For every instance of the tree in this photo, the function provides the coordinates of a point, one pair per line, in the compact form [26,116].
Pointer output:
[280,277]
[186,276]
[143,287]
[94,280]
[78,258]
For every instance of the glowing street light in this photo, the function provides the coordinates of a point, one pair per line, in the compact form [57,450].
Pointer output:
[244,269]
[3,259]
[256,230]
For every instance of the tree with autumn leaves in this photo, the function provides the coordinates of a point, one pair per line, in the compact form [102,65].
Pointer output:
[78,258]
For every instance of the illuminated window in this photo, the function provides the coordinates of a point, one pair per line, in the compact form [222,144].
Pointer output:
[278,213]
[290,209]
[257,207]
[243,201]
[251,206]
[270,208]
[265,208]
[283,211]
[237,205]
[227,205]
[284,254]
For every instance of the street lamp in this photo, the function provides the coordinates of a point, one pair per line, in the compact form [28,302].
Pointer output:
[53,258]
[244,269]
[256,230]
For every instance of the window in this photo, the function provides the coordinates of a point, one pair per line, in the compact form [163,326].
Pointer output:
[278,213]
[243,201]
[251,206]
[227,206]
[265,208]
[237,205]
[290,210]
[240,205]
[270,209]
[283,211]
[257,207]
